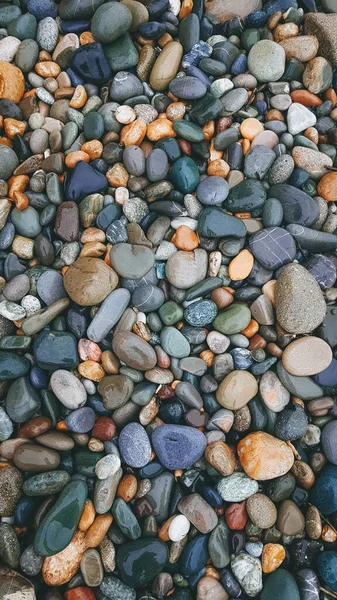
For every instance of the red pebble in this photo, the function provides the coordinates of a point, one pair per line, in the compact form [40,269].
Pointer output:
[80,593]
[236,516]
[165,392]
[104,429]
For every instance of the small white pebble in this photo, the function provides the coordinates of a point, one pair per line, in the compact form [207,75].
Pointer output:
[31,304]
[179,528]
[125,114]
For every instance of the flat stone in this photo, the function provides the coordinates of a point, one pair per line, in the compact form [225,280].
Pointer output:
[178,446]
[273,393]
[290,520]
[236,390]
[68,389]
[237,487]
[89,280]
[273,247]
[266,61]
[264,457]
[248,571]
[134,351]
[108,314]
[134,445]
[131,261]
[307,356]
[198,512]
[303,48]
[313,162]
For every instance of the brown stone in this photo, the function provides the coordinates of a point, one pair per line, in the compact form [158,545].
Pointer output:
[221,457]
[166,66]
[198,512]
[210,588]
[290,520]
[312,161]
[313,522]
[303,48]
[324,27]
[264,457]
[34,427]
[304,474]
[31,457]
[134,351]
[89,280]
[261,511]
[327,187]
[224,11]
[12,82]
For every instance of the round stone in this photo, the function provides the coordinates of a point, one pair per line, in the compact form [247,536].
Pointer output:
[328,440]
[134,445]
[185,269]
[134,351]
[236,390]
[273,393]
[307,356]
[264,457]
[212,190]
[131,261]
[266,61]
[178,446]
[261,511]
[68,389]
[89,280]
[110,22]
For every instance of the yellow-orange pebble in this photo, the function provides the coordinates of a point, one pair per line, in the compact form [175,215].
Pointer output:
[240,267]
[250,127]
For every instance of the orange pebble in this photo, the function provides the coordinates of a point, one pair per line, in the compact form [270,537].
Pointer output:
[110,362]
[86,37]
[92,370]
[21,201]
[163,531]
[175,110]
[311,134]
[74,157]
[269,290]
[240,267]
[17,183]
[257,341]
[88,516]
[13,127]
[306,98]
[274,115]
[327,187]
[79,98]
[186,9]
[208,130]
[98,530]
[274,349]
[222,297]
[250,127]
[93,149]
[164,40]
[118,176]
[134,133]
[5,142]
[208,357]
[185,238]
[48,68]
[218,167]
[61,426]
[251,329]
[245,144]
[80,593]
[127,488]
[273,556]
[213,153]
[331,95]
[159,129]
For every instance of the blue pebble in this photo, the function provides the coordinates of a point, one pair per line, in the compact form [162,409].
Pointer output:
[193,71]
[160,270]
[74,78]
[81,420]
[262,367]
[274,6]
[94,401]
[39,378]
[194,555]
[42,9]
[323,494]
[327,566]
[242,358]
[83,181]
[239,66]
[261,107]
[25,510]
[199,51]
[328,377]
[178,446]
[201,313]
[211,496]
[75,26]
[257,19]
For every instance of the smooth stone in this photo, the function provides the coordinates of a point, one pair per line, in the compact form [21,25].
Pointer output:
[184,175]
[273,393]
[299,118]
[12,365]
[300,305]
[90,63]
[84,180]
[26,222]
[248,571]
[105,492]
[185,269]
[160,494]
[134,351]
[68,389]
[110,22]
[307,356]
[291,423]
[258,161]
[174,343]
[134,445]
[273,247]
[272,213]
[281,169]
[115,589]
[178,446]
[115,390]
[63,517]
[290,520]
[198,512]
[12,584]
[232,319]
[6,426]
[266,61]
[328,441]
[50,287]
[157,165]
[248,195]
[323,493]
[236,390]
[277,457]
[131,261]
[56,349]
[125,519]
[166,66]
[88,281]
[214,222]
[8,160]
[312,240]
[194,556]
[234,100]
[9,546]
[303,387]
[280,585]
[313,162]
[147,298]
[187,88]
[22,400]
[219,545]
[81,420]
[122,53]
[141,561]
[45,484]
[108,314]
[298,206]
[31,457]
[212,190]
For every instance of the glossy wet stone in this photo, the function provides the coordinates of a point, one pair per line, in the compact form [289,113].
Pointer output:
[140,561]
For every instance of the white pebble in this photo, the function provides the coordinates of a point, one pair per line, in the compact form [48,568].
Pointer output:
[179,528]
[31,304]
[68,389]
[12,311]
[107,466]
[125,114]
[187,221]
[89,386]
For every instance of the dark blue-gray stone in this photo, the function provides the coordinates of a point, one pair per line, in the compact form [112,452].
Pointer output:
[291,423]
[323,269]
[201,313]
[178,446]
[212,190]
[273,247]
[81,420]
[323,494]
[298,206]
[327,567]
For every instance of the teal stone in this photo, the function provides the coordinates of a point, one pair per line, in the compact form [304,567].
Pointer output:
[294,70]
[50,406]
[12,365]
[323,494]
[15,342]
[23,28]
[122,54]
[140,562]
[280,585]
[45,484]
[219,546]
[203,288]
[110,22]
[86,461]
[59,525]
[8,13]
[22,400]
[27,222]
[281,488]
[114,588]
[248,195]
[174,343]
[93,126]
[170,313]
[327,566]
[47,215]
[188,131]
[206,109]
[272,213]
[184,175]
[302,387]
[56,350]
[232,319]
[160,495]
[201,313]
[6,425]
[249,38]
[215,223]
[301,140]
[125,519]
[171,147]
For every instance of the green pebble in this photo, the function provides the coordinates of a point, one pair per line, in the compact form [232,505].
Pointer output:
[24,27]
[170,312]
[174,343]
[12,365]
[140,562]
[122,54]
[184,175]
[232,319]
[125,519]
[45,484]
[188,131]
[27,222]
[15,342]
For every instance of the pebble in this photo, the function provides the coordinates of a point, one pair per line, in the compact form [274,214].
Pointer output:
[276,464]
[266,61]
[177,445]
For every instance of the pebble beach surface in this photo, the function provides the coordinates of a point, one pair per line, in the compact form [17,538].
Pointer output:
[168,288]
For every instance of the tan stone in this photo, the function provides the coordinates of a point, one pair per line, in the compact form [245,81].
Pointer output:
[290,520]
[210,588]
[312,161]
[89,280]
[307,356]
[236,390]
[166,66]
[303,48]
[224,11]
[264,457]
[221,457]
